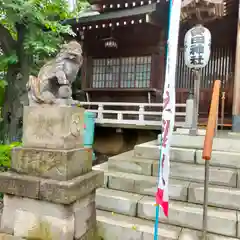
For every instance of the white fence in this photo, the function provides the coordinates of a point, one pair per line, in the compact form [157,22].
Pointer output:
[139,114]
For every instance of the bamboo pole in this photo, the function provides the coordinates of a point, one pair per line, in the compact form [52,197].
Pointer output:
[212,118]
[207,149]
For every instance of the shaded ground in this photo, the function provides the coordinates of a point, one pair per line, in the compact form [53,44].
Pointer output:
[100,158]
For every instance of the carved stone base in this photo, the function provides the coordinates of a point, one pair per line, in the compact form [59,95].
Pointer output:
[63,192]
[45,209]
[53,127]
[54,164]
[35,219]
[50,190]
[4,236]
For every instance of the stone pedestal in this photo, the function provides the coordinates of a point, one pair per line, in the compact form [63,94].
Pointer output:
[53,127]
[189,113]
[49,194]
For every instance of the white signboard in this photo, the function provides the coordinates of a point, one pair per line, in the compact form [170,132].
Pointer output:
[197,47]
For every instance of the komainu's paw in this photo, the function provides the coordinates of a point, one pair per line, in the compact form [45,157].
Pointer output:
[65,91]
[48,98]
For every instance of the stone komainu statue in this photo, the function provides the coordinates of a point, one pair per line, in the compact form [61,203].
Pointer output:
[54,81]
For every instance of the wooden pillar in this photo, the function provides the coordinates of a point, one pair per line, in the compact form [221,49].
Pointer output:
[236,86]
[84,70]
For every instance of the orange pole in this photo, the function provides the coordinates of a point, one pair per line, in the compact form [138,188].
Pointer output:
[212,118]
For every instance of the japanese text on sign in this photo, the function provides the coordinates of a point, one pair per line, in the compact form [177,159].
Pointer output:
[197,47]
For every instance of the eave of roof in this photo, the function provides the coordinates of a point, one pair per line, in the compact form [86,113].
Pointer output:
[114,15]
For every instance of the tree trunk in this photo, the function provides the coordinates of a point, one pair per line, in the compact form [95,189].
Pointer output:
[15,99]
[15,94]
[11,104]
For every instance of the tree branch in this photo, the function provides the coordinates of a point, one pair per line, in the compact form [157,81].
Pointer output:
[7,42]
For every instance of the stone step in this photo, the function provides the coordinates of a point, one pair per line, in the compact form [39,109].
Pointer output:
[127,202]
[222,142]
[152,151]
[182,171]
[195,173]
[220,221]
[221,159]
[187,234]
[225,197]
[144,185]
[177,154]
[117,227]
[126,162]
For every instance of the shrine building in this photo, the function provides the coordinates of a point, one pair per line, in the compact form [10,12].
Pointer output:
[124,45]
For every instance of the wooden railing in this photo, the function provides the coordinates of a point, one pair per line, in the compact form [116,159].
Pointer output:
[125,113]
[207,149]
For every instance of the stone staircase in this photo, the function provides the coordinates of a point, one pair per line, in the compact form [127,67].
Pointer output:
[126,203]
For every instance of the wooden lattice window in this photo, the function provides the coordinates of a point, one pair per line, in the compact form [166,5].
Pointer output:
[128,72]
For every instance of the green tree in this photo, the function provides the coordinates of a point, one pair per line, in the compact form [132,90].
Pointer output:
[30,32]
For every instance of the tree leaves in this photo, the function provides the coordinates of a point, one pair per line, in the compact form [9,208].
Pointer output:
[5,155]
[6,60]
[42,19]
[30,33]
